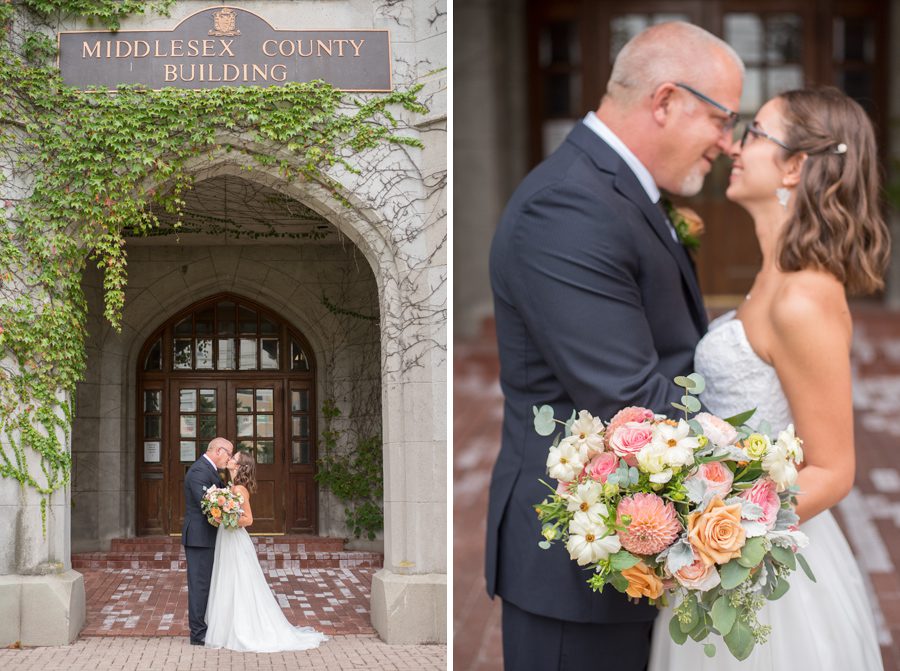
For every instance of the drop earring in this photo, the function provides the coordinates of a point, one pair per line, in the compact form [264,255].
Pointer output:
[783,195]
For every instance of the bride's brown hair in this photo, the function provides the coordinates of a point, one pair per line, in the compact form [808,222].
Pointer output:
[246,472]
[836,225]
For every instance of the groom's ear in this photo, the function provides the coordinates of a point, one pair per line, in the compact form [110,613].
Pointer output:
[661,103]
[793,169]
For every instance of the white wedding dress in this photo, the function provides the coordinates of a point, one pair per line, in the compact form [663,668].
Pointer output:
[825,625]
[242,613]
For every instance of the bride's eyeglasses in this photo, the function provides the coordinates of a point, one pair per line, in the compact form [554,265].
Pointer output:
[754,130]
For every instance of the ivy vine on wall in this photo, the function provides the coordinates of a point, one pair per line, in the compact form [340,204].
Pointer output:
[91,168]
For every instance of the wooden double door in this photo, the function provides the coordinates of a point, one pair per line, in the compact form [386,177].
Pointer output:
[227,366]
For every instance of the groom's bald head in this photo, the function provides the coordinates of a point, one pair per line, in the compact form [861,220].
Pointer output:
[669,52]
[220,451]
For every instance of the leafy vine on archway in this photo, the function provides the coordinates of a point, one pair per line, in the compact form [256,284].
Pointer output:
[76,176]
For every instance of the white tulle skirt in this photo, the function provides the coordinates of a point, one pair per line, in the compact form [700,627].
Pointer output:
[242,613]
[825,625]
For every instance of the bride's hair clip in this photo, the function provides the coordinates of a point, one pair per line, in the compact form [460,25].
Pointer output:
[841,148]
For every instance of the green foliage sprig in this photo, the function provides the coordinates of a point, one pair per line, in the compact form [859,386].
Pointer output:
[102,165]
[356,478]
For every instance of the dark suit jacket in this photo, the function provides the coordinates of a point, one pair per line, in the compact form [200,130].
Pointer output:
[597,308]
[197,531]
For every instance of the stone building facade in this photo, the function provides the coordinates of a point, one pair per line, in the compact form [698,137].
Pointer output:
[348,304]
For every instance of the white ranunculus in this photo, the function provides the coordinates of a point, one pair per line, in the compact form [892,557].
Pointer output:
[677,441]
[779,465]
[587,431]
[564,462]
[791,443]
[652,458]
[586,498]
[719,432]
[587,544]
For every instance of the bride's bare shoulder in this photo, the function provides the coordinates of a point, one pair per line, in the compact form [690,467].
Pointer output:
[810,301]
[240,489]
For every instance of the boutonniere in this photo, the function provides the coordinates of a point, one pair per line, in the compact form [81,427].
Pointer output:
[688,224]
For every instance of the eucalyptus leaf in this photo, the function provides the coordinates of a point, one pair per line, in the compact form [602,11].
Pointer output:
[692,610]
[691,403]
[695,427]
[675,631]
[683,381]
[723,615]
[699,383]
[740,641]
[733,574]
[678,406]
[753,552]
[544,545]
[709,650]
[781,587]
[544,423]
[571,421]
[701,631]
[806,569]
[784,556]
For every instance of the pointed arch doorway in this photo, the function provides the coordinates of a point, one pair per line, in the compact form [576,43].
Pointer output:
[227,366]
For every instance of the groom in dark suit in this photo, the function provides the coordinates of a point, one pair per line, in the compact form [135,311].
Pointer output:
[597,307]
[198,536]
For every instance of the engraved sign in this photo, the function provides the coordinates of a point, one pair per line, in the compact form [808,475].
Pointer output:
[225,46]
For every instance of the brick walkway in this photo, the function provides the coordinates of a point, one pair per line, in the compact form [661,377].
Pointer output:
[870,516]
[153,602]
[139,587]
[176,654]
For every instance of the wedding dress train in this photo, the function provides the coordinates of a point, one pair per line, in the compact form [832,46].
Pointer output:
[243,614]
[825,625]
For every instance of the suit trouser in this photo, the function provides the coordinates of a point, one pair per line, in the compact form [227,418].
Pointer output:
[537,643]
[199,575]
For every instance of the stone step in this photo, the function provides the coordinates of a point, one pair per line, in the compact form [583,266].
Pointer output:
[273,552]
[294,543]
[161,560]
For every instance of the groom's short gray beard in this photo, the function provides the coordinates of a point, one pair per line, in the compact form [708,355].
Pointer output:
[693,183]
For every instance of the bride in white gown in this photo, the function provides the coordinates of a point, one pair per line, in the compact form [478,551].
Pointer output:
[806,170]
[243,614]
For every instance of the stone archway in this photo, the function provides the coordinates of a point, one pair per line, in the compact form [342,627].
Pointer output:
[409,594]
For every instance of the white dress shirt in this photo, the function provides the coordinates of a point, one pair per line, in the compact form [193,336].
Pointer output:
[644,177]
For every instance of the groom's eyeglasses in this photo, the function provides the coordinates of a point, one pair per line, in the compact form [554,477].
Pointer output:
[727,124]
[754,129]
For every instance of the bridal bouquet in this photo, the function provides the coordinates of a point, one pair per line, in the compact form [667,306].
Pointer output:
[700,509]
[222,506]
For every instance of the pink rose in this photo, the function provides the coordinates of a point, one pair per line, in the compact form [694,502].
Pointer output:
[629,439]
[601,466]
[630,414]
[698,576]
[717,476]
[764,494]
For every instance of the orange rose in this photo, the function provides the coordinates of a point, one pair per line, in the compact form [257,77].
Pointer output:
[716,533]
[215,512]
[642,582]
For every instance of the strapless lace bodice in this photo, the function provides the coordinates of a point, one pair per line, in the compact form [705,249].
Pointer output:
[736,378]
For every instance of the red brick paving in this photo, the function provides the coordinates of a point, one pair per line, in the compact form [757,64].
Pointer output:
[477,418]
[153,602]
[139,588]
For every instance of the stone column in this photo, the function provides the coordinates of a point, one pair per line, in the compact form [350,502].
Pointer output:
[42,600]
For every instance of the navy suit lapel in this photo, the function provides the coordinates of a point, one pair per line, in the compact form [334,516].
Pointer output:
[627,184]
